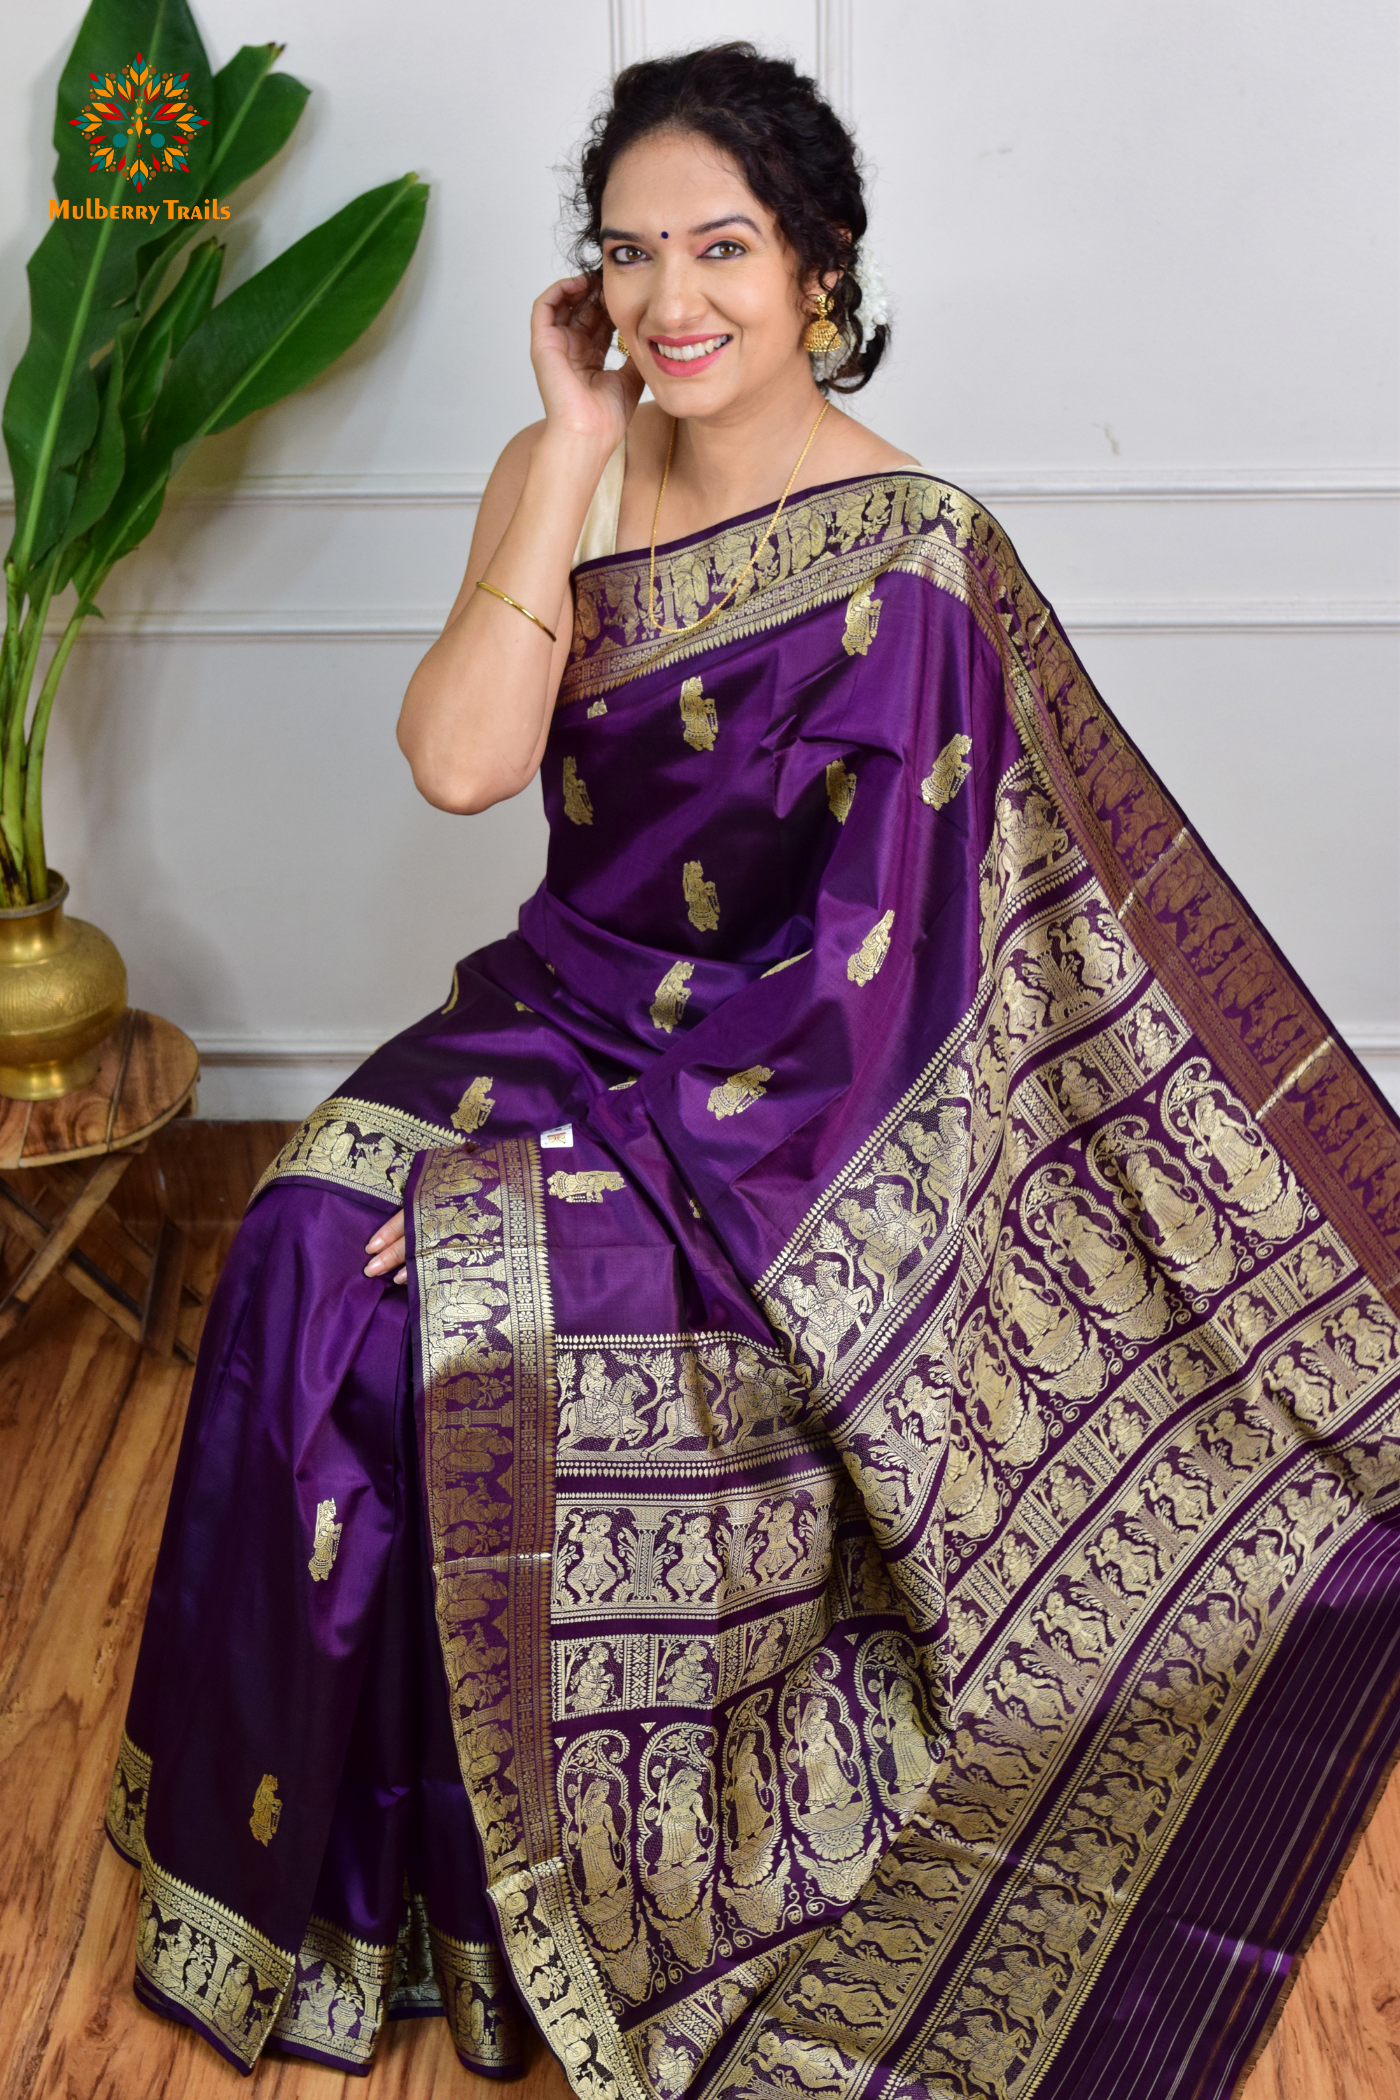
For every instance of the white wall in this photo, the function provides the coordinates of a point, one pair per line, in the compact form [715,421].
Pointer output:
[1143,261]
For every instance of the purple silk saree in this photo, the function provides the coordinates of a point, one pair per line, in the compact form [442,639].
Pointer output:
[893,1432]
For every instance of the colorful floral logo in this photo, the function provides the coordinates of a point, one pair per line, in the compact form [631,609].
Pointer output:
[141,122]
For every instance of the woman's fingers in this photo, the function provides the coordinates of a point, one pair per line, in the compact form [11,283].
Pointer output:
[386,1249]
[558,307]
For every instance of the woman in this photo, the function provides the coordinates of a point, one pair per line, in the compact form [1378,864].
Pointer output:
[750,1384]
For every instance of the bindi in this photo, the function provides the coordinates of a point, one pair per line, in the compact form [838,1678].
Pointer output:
[665,236]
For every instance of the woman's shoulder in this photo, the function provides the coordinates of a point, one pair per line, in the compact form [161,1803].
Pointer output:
[852,449]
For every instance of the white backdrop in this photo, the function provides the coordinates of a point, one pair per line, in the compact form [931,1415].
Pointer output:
[1143,263]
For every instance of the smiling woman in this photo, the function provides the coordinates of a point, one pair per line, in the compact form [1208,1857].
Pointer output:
[723,200]
[876,1574]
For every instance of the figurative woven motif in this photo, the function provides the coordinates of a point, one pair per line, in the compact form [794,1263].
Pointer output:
[357,1145]
[840,789]
[1091,1294]
[669,1000]
[858,1679]
[577,806]
[333,1996]
[699,717]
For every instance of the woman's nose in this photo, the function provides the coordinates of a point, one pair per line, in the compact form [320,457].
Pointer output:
[678,303]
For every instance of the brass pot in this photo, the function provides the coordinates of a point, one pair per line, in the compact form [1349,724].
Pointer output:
[62,990]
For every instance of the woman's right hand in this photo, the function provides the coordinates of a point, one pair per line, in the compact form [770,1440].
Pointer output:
[569,337]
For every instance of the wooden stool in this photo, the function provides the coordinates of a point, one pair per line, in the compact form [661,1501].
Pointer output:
[147,1074]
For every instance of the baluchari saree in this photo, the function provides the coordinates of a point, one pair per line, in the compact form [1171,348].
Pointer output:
[907,1428]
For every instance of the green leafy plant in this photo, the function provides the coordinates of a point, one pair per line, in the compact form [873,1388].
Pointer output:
[130,361]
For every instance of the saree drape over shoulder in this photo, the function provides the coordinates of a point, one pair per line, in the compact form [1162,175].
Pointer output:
[898,1395]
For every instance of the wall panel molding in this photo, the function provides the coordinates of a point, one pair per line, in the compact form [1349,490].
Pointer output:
[836,53]
[380,491]
[627,32]
[290,623]
[274,1075]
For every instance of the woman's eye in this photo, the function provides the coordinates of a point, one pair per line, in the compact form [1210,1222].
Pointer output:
[626,255]
[726,248]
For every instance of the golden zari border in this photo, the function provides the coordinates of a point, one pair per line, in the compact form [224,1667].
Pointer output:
[211,1963]
[345,1988]
[334,1995]
[825,547]
[485,1333]
[1214,960]
[337,1999]
[1198,935]
[197,1953]
[1016,1739]
[472,1986]
[359,1145]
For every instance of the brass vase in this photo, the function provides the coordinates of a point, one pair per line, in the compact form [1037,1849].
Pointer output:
[62,990]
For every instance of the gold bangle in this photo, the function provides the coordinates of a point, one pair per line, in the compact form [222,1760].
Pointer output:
[516,606]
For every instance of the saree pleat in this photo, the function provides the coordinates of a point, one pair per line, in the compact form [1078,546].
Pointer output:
[902,1322]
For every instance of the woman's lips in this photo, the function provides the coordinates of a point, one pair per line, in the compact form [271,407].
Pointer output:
[689,353]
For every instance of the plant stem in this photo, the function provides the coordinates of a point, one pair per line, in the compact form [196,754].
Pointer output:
[9,660]
[11,881]
[30,639]
[35,864]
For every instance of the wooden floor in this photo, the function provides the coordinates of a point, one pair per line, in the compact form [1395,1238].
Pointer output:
[88,1433]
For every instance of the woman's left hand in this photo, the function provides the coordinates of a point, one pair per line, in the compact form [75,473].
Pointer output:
[387,1248]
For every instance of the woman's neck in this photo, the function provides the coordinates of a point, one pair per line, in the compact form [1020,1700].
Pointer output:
[725,465]
[737,457]
[721,465]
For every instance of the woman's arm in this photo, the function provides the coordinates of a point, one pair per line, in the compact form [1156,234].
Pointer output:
[476,715]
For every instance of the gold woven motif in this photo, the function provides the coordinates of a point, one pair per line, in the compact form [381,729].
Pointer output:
[862,621]
[866,961]
[359,1145]
[738,1092]
[577,807]
[588,1187]
[326,1542]
[701,898]
[700,722]
[950,770]
[475,1105]
[840,789]
[267,1810]
[669,1000]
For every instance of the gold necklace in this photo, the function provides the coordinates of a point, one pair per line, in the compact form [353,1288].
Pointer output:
[658,625]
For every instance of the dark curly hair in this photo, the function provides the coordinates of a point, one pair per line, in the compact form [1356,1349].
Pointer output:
[793,151]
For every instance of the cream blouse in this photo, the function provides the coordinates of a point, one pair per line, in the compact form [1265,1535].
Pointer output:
[599,534]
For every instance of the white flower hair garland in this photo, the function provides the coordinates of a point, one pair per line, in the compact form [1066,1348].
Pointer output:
[874,302]
[874,312]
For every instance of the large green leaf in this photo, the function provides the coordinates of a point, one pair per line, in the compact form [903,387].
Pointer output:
[100,469]
[275,333]
[255,113]
[164,335]
[83,271]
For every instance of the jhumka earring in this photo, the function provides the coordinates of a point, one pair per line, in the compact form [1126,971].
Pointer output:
[822,332]
[621,345]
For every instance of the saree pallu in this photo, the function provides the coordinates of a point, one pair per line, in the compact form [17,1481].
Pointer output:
[899,1384]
